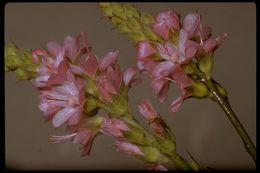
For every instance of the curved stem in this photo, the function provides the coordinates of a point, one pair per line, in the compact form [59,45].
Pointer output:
[224,104]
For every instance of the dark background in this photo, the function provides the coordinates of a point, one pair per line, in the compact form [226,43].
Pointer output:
[200,126]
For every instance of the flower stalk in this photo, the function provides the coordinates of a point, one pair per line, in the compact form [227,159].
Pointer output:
[226,107]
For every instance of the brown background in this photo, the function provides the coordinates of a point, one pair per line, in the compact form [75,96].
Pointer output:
[200,126]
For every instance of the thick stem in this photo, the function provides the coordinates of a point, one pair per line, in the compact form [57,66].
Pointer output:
[224,104]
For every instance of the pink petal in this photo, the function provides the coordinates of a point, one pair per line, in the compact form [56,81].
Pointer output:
[55,79]
[62,116]
[181,78]
[168,51]
[90,66]
[164,68]
[176,104]
[71,46]
[40,81]
[115,76]
[162,95]
[170,18]
[144,49]
[161,29]
[128,148]
[36,53]
[129,75]
[206,32]
[220,39]
[108,60]
[75,118]
[113,127]
[156,167]
[106,87]
[191,49]
[191,23]
[56,139]
[147,110]
[76,69]
[54,48]
[157,128]
[210,45]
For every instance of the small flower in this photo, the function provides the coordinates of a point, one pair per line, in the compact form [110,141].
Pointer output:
[114,127]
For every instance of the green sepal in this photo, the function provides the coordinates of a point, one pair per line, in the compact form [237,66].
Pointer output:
[198,90]
[153,155]
[118,106]
[205,64]
[189,68]
[220,89]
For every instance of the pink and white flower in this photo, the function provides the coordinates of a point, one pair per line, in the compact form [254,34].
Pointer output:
[63,103]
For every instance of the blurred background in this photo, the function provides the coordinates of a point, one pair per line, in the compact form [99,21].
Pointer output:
[200,126]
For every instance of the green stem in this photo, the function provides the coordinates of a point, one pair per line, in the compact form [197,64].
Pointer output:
[224,104]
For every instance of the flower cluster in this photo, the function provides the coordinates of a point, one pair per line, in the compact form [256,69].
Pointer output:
[184,43]
[71,79]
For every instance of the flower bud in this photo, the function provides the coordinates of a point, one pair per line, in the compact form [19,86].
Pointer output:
[153,155]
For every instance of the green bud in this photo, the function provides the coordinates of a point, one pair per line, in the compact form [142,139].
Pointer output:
[146,18]
[108,12]
[12,62]
[136,36]
[205,64]
[124,29]
[21,75]
[198,90]
[130,11]
[118,10]
[10,49]
[151,35]
[153,155]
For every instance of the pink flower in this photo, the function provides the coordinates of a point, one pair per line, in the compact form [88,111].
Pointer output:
[114,127]
[128,148]
[80,135]
[147,110]
[164,22]
[63,103]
